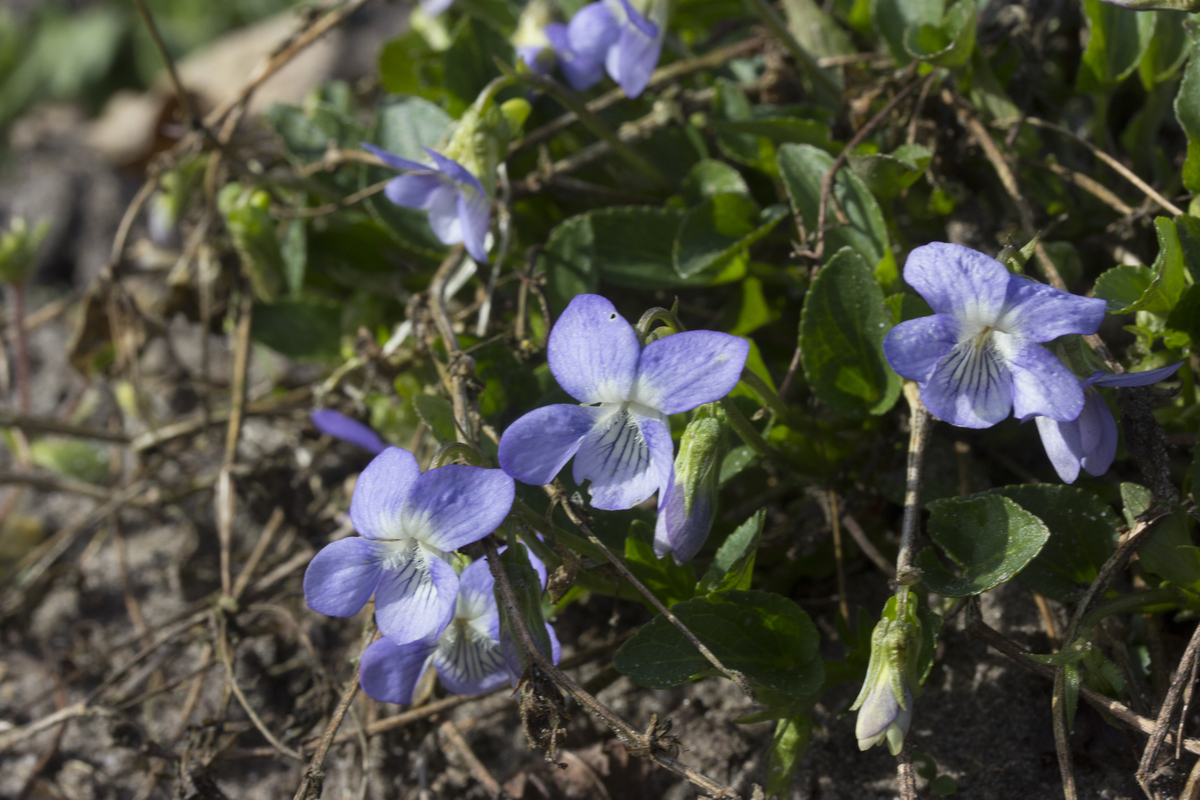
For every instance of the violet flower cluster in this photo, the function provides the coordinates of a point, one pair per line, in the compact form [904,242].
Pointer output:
[608,35]
[980,355]
[468,654]
[408,524]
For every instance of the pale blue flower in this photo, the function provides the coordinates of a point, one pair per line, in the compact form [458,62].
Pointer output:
[409,522]
[618,435]
[459,209]
[467,654]
[978,357]
[1090,440]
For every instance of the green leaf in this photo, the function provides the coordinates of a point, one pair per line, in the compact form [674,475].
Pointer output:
[987,93]
[943,785]
[469,63]
[1135,499]
[766,637]
[1188,229]
[886,175]
[791,739]
[1117,40]
[751,140]
[842,327]
[408,65]
[803,167]
[991,538]
[299,328]
[527,588]
[1123,286]
[708,178]
[671,583]
[1170,552]
[1167,51]
[893,19]
[733,566]
[1187,110]
[819,34]
[567,262]
[1083,533]
[306,133]
[437,413]
[408,125]
[720,228]
[1166,278]
[948,43]
[75,458]
[1186,314]
[628,246]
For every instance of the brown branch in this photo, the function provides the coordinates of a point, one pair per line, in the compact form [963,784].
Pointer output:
[1117,166]
[32,424]
[1183,678]
[1088,184]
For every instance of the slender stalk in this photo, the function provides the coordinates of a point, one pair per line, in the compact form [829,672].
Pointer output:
[743,428]
[920,423]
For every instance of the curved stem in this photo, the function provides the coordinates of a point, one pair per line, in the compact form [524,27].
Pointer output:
[738,421]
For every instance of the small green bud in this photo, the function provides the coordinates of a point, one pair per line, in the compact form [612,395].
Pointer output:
[515,112]
[686,515]
[253,232]
[19,249]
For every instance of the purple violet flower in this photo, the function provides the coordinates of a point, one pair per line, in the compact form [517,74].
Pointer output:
[978,356]
[619,435]
[608,34]
[459,209]
[468,654]
[339,426]
[408,523]
[1090,440]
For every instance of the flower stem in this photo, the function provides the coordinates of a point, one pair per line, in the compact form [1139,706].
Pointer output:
[738,421]
[920,425]
[766,394]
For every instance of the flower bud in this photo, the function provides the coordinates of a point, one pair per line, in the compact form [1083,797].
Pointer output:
[885,703]
[686,515]
[253,233]
[19,249]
